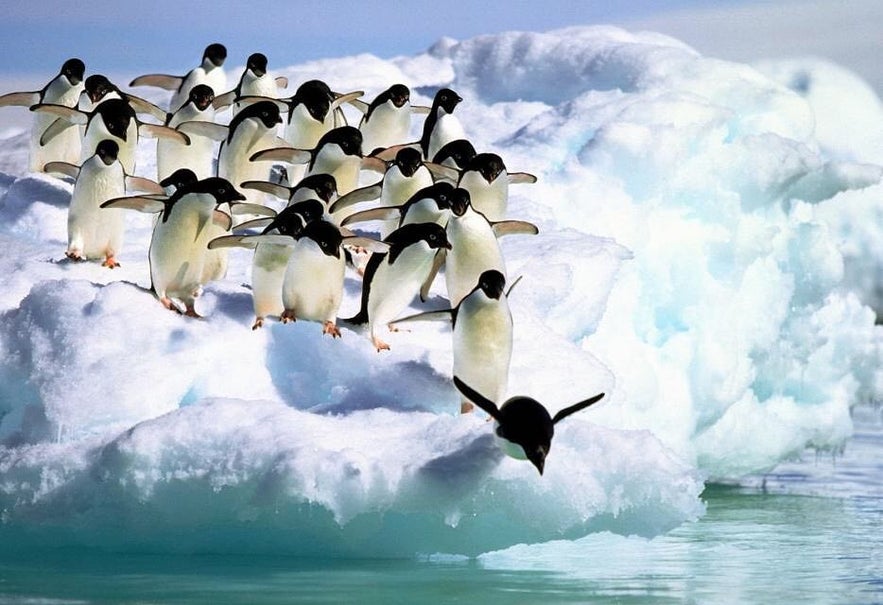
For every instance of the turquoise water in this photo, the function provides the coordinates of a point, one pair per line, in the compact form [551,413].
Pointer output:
[811,531]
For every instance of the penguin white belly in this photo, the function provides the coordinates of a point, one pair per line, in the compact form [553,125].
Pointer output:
[66,146]
[303,131]
[447,129]
[264,86]
[393,287]
[491,199]
[198,156]
[95,232]
[344,168]
[267,276]
[482,345]
[474,249]
[178,247]
[313,286]
[389,125]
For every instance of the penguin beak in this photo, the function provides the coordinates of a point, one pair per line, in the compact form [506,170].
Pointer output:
[537,457]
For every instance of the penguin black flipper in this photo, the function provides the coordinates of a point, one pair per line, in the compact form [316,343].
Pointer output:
[276,190]
[140,183]
[356,196]
[516,178]
[157,131]
[382,213]
[211,130]
[513,227]
[146,107]
[478,399]
[65,168]
[438,262]
[164,81]
[20,99]
[561,415]
[54,129]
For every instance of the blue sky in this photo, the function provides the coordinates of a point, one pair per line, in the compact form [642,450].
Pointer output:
[123,37]
[169,36]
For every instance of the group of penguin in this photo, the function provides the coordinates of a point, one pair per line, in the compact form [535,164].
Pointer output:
[440,206]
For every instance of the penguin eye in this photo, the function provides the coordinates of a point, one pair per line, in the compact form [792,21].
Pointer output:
[432,237]
[222,190]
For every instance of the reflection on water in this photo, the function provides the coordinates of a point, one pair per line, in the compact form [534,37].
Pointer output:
[810,531]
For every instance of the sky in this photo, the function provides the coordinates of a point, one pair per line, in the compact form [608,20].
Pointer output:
[125,37]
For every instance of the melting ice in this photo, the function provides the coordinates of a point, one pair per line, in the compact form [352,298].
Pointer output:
[708,257]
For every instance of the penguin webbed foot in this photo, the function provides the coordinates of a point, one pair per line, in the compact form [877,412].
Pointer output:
[258,323]
[191,312]
[110,262]
[74,256]
[287,316]
[466,407]
[379,344]
[329,327]
[166,302]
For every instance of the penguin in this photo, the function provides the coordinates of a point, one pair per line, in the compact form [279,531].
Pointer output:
[95,232]
[313,110]
[312,289]
[320,186]
[475,248]
[271,259]
[441,126]
[199,155]
[431,204]
[387,120]
[338,153]
[113,119]
[255,81]
[189,219]
[210,72]
[524,428]
[252,130]
[482,335]
[405,175]
[393,278]
[487,181]
[64,89]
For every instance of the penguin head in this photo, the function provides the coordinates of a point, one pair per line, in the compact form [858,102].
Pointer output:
[408,160]
[265,111]
[223,190]
[98,86]
[288,222]
[492,283]
[434,235]
[73,69]
[460,201]
[348,138]
[214,56]
[459,151]
[257,63]
[182,177]
[117,114]
[315,96]
[399,94]
[108,151]
[526,423]
[322,184]
[310,210]
[201,96]
[326,236]
[446,99]
[488,165]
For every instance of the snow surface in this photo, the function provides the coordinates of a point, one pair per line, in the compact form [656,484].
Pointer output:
[708,256]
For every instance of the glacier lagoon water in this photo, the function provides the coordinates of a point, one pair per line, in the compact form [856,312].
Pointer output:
[809,531]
